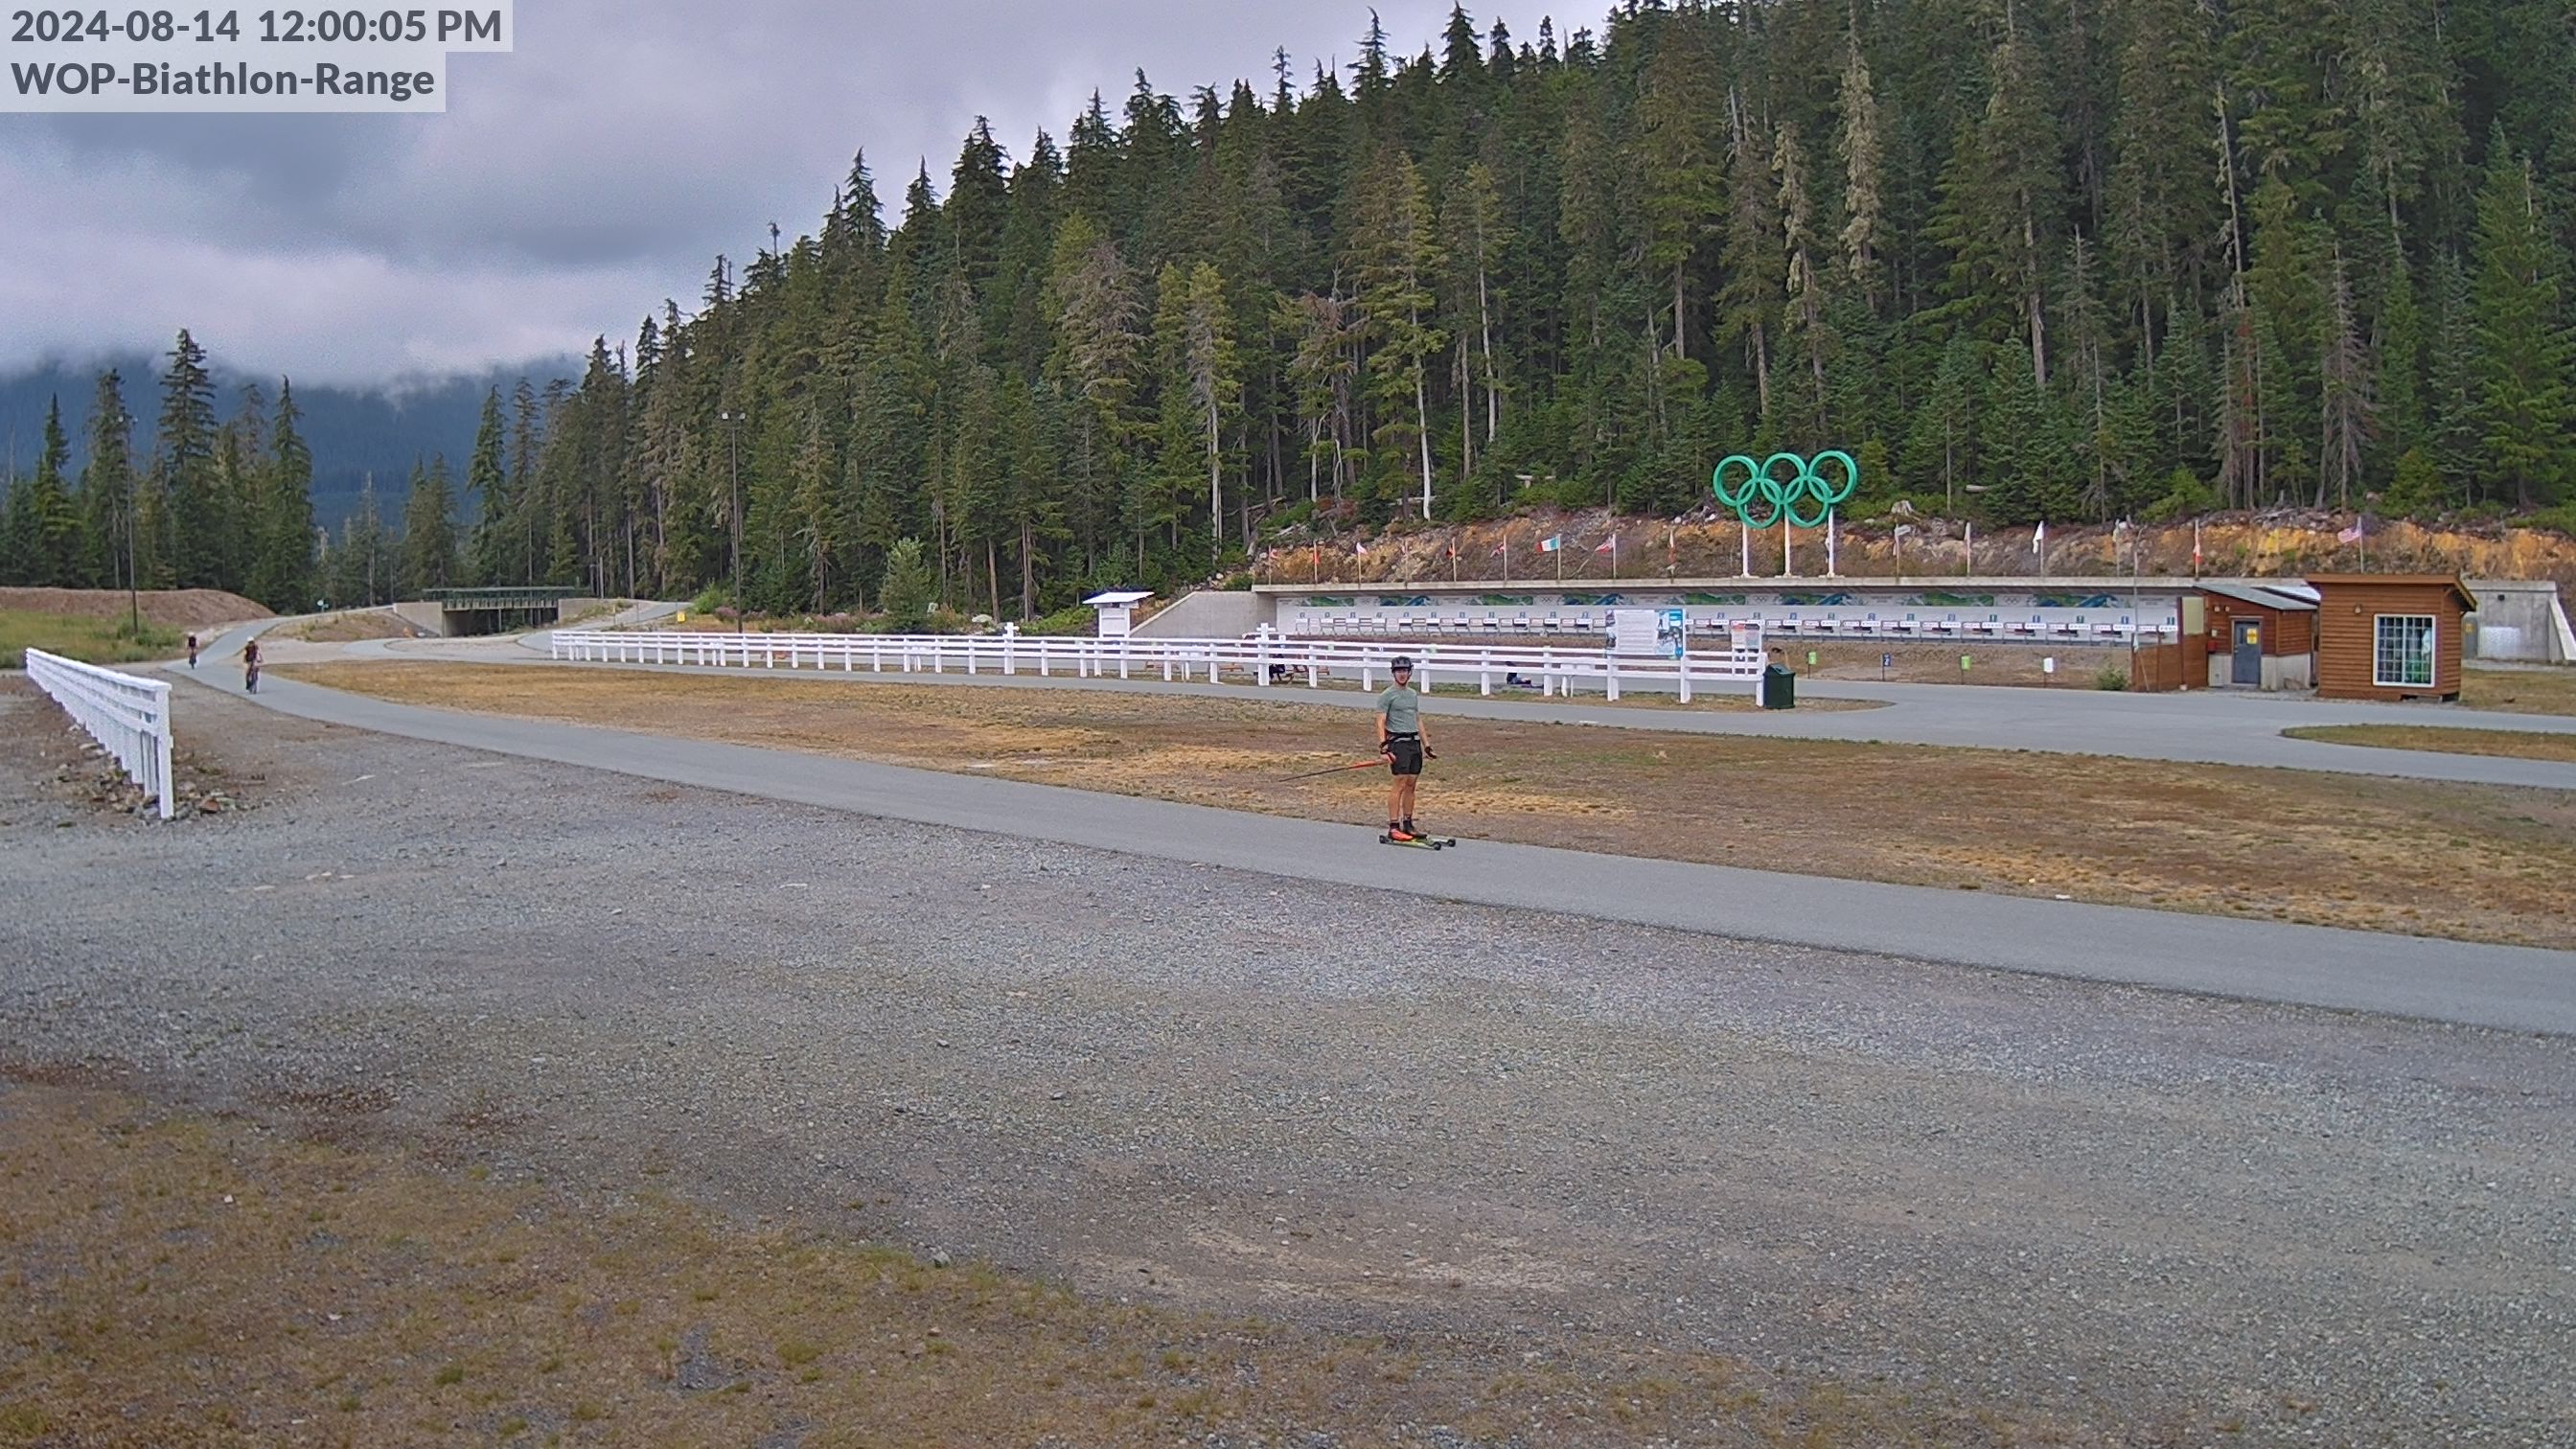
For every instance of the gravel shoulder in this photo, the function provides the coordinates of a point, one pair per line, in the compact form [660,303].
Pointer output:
[2161,1219]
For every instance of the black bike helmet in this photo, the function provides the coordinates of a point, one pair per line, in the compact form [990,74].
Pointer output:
[1401,661]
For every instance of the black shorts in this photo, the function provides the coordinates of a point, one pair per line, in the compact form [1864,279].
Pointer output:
[1404,754]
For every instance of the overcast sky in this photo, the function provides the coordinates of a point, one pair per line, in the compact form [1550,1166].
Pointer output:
[574,183]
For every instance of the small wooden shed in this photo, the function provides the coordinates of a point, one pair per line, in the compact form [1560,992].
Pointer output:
[2256,637]
[2389,636]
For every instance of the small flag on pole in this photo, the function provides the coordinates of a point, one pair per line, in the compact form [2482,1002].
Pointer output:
[2195,546]
[1358,549]
[2350,535]
[2039,538]
[1609,546]
[1551,543]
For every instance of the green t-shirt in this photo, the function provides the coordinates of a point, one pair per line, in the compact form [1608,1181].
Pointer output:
[1402,706]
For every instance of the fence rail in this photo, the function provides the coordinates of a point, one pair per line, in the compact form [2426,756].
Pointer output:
[129,717]
[1262,659]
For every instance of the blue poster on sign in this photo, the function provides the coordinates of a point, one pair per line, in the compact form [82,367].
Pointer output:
[1672,633]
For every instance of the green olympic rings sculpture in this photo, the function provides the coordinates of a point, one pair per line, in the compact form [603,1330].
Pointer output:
[1763,492]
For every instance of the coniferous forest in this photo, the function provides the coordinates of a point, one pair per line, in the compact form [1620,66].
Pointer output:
[2026,259]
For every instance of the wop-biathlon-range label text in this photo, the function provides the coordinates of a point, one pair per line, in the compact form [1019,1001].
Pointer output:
[69,59]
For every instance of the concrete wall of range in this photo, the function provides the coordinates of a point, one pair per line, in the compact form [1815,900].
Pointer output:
[2518,619]
[1209,614]
[1936,607]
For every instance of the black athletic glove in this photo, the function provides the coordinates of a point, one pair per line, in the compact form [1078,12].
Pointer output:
[1429,753]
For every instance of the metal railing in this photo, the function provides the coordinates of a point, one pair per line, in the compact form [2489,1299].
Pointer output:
[1261,659]
[129,717]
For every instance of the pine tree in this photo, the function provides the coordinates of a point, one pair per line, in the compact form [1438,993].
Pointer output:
[183,512]
[2523,352]
[1803,327]
[1394,256]
[1215,387]
[1677,119]
[112,552]
[429,530]
[2456,428]
[2028,454]
[817,520]
[903,595]
[1476,242]
[361,570]
[17,531]
[2403,425]
[1864,188]
[2159,209]
[1752,297]
[53,518]
[2347,413]
[495,547]
[282,569]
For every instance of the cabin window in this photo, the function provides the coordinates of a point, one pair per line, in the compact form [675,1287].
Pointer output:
[2402,653]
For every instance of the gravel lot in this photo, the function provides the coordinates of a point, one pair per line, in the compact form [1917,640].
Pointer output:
[2160,1217]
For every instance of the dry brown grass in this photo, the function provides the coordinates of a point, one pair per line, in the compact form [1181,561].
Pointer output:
[179,1280]
[180,609]
[2340,850]
[2520,691]
[353,625]
[2509,744]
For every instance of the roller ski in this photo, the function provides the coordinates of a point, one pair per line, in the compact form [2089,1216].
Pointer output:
[1416,842]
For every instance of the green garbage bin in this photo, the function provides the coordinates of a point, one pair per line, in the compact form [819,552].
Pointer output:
[1779,687]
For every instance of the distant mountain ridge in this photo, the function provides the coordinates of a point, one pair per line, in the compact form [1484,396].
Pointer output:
[353,431]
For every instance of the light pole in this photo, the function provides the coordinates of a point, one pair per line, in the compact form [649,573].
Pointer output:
[732,419]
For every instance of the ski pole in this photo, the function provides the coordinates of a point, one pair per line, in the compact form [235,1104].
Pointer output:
[1371,763]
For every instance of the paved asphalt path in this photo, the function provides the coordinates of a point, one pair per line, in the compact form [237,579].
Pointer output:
[2196,728]
[2514,988]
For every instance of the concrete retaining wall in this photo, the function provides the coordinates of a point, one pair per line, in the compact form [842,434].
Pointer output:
[1209,614]
[2518,619]
[427,617]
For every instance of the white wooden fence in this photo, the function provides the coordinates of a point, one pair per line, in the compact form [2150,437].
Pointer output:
[129,717]
[1262,659]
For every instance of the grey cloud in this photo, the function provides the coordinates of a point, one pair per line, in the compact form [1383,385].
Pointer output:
[573,183]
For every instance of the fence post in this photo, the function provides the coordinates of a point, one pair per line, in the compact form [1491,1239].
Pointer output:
[1610,675]
[1485,672]
[1683,665]
[161,757]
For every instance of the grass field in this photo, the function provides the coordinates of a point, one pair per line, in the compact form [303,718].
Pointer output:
[93,641]
[2510,744]
[2520,691]
[2342,850]
[177,1279]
